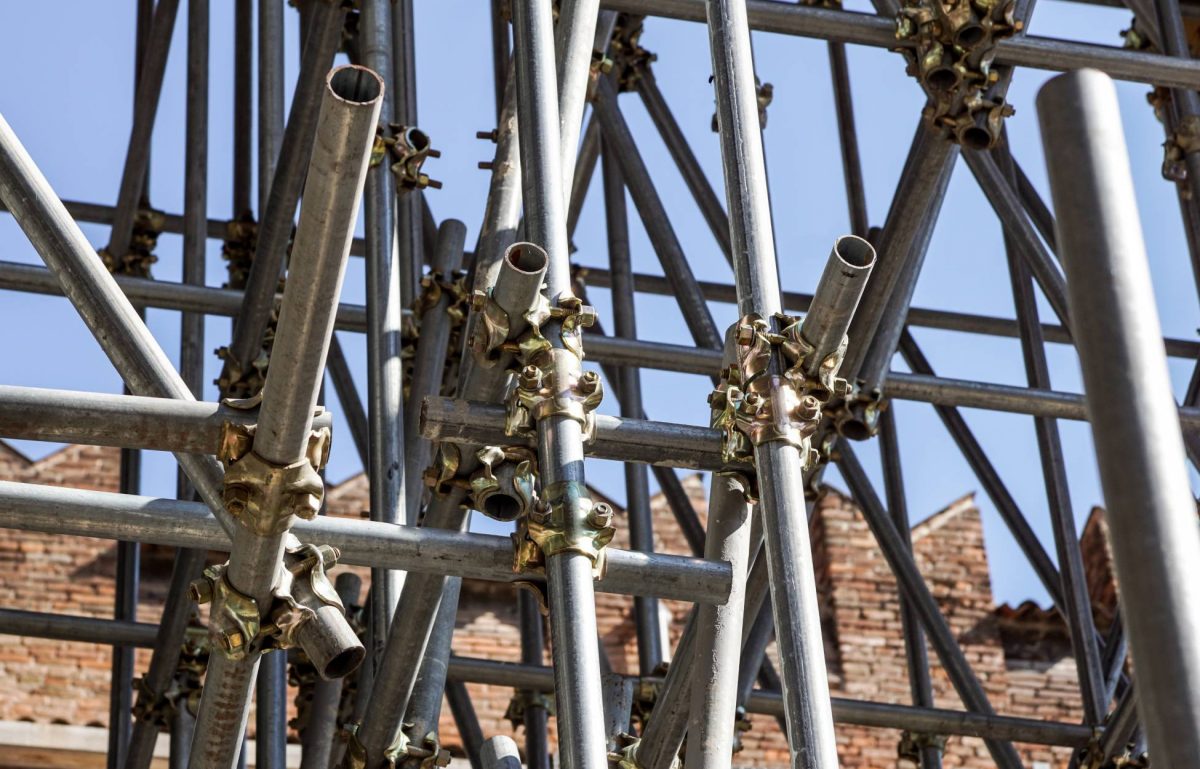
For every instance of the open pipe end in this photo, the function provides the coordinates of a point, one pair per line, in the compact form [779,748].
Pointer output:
[355,85]
[854,252]
[527,258]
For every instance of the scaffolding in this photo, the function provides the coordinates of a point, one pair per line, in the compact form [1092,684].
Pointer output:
[479,400]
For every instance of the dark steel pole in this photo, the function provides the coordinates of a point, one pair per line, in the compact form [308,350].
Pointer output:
[151,69]
[914,640]
[637,479]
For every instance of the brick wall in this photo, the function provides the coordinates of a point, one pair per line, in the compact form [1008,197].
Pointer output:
[1019,654]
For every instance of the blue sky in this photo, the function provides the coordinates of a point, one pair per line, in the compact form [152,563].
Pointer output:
[69,98]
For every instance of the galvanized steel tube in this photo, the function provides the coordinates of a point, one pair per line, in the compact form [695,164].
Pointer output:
[1149,506]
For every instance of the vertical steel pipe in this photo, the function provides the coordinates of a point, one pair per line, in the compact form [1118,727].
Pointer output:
[1149,506]
[270,96]
[843,103]
[243,108]
[637,479]
[389,483]
[779,465]
[536,719]
[318,738]
[270,714]
[338,167]
[574,39]
[559,438]
[425,705]
[466,721]
[719,630]
[430,362]
[183,727]
[188,563]
[915,655]
[409,233]
[501,57]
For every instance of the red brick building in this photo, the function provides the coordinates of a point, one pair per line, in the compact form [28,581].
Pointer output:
[1020,653]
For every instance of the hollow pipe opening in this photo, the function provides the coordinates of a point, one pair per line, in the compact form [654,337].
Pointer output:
[416,139]
[969,35]
[975,138]
[854,251]
[355,84]
[526,257]
[502,507]
[941,78]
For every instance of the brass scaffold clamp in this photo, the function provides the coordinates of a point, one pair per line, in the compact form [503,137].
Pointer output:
[262,497]
[951,47]
[760,400]
[135,262]
[405,148]
[183,692]
[552,383]
[427,753]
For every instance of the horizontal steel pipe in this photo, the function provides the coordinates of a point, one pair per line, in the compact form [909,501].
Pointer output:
[880,32]
[126,421]
[845,711]
[537,678]
[66,627]
[163,294]
[175,523]
[900,385]
[215,229]
[631,440]
[919,317]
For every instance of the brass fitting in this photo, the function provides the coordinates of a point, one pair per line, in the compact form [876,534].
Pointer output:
[234,623]
[565,520]
[953,45]
[503,488]
[406,148]
[754,405]
[147,226]
[261,495]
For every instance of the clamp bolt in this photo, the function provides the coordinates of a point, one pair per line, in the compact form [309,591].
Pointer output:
[810,407]
[201,590]
[589,382]
[600,515]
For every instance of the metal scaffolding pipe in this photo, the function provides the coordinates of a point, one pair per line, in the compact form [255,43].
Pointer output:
[163,294]
[579,702]
[52,510]
[112,320]
[846,711]
[1149,506]
[778,464]
[151,68]
[128,421]
[281,440]
[880,32]
[277,216]
[918,317]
